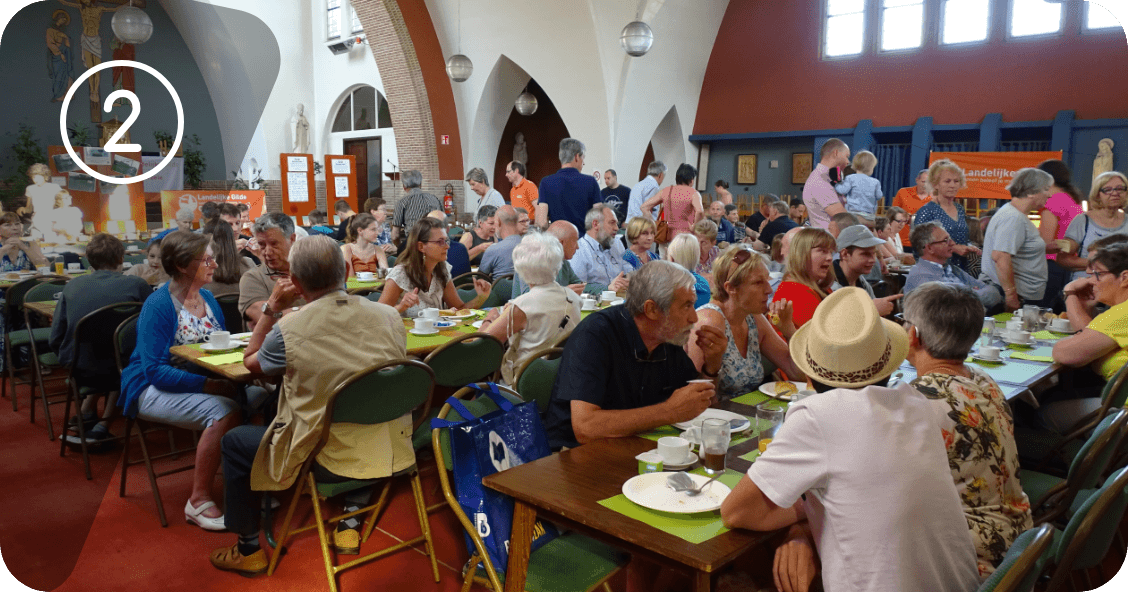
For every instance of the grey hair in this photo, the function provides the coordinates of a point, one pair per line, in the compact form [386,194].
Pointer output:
[569,149]
[1029,181]
[185,216]
[411,178]
[656,281]
[595,213]
[781,207]
[276,220]
[317,264]
[922,234]
[656,168]
[478,175]
[948,318]
[538,257]
[684,250]
[771,198]
[485,212]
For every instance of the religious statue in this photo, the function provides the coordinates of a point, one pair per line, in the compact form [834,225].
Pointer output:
[123,76]
[92,46]
[520,152]
[59,66]
[1103,162]
[301,131]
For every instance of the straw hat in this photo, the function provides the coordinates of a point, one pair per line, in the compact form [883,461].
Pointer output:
[846,344]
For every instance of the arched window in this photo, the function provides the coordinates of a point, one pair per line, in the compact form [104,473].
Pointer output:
[365,108]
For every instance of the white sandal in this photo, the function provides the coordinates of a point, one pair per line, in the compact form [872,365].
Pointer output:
[196,516]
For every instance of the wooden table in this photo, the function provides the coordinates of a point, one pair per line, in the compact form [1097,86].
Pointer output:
[237,372]
[45,308]
[565,489]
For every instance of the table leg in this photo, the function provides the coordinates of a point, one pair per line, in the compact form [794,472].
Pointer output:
[702,581]
[520,544]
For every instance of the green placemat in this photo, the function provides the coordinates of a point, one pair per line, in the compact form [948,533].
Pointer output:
[756,397]
[1048,335]
[1003,317]
[661,432]
[223,359]
[695,528]
[417,341]
[751,456]
[352,283]
[984,363]
[1033,357]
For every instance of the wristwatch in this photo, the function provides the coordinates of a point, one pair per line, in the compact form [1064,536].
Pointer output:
[266,311]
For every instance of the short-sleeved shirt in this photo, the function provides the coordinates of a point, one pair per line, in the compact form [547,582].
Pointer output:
[1065,209]
[431,298]
[497,260]
[642,191]
[256,286]
[414,205]
[778,226]
[618,200]
[1012,232]
[909,200]
[880,498]
[862,193]
[606,364]
[523,194]
[804,301]
[1113,323]
[957,228]
[725,231]
[1083,230]
[569,194]
[818,195]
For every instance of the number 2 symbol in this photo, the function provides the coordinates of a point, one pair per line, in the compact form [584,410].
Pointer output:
[135,103]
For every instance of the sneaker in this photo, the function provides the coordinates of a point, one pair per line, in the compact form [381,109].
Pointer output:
[230,559]
[89,420]
[96,437]
[347,542]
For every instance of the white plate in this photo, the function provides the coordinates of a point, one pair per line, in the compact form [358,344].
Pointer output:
[418,332]
[692,458]
[1069,332]
[998,360]
[241,336]
[371,281]
[460,317]
[1031,343]
[651,491]
[769,388]
[711,413]
[477,324]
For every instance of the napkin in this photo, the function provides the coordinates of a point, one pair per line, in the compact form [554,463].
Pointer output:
[223,359]
[1032,357]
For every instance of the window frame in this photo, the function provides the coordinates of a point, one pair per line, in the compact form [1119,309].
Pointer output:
[347,15]
[1009,23]
[867,40]
[880,37]
[1086,30]
[943,9]
[341,7]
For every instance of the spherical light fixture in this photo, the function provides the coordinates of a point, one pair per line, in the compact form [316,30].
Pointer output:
[459,67]
[636,38]
[132,25]
[526,103]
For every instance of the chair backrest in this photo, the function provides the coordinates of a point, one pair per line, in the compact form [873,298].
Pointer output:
[14,299]
[136,259]
[232,318]
[501,291]
[1092,459]
[466,280]
[382,393]
[465,359]
[94,331]
[1024,562]
[536,374]
[45,291]
[1088,535]
[125,340]
[375,296]
[1115,392]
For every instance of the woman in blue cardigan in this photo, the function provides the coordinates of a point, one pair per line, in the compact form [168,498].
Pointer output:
[181,313]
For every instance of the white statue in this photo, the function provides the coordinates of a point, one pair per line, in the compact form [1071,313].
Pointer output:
[301,131]
[520,152]
[1103,162]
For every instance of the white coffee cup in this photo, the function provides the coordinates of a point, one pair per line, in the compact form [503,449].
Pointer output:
[365,276]
[1021,336]
[588,305]
[220,339]
[989,352]
[1017,314]
[609,295]
[425,324]
[430,313]
[1061,325]
[674,450]
[1014,325]
[74,267]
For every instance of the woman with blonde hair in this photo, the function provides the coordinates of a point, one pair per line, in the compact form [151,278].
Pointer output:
[809,275]
[706,233]
[862,191]
[1105,217]
[686,251]
[640,236]
[947,179]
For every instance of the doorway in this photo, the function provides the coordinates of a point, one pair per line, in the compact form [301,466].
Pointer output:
[369,169]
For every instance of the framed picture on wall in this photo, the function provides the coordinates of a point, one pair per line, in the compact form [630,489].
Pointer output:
[801,165]
[746,169]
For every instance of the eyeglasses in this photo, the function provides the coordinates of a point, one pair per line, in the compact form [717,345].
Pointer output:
[1111,190]
[899,220]
[946,240]
[209,260]
[1097,273]
[445,241]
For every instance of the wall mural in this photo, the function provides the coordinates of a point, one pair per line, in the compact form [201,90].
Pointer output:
[123,77]
[59,56]
[91,42]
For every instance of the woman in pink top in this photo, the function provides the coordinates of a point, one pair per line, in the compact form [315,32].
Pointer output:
[1061,208]
[681,203]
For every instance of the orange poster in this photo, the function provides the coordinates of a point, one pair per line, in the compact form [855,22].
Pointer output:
[107,207]
[988,173]
[174,201]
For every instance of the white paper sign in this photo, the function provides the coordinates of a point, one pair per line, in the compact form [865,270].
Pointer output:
[298,188]
[170,178]
[341,167]
[96,156]
[341,186]
[297,164]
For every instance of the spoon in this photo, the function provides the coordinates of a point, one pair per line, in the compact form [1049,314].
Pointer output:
[683,482]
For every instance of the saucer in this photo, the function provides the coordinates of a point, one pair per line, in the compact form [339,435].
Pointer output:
[689,460]
[1031,343]
[212,348]
[998,360]
[418,332]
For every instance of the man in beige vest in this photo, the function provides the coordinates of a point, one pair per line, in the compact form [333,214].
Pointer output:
[316,348]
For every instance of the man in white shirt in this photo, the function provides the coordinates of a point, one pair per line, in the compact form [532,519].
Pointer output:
[645,189]
[599,258]
[866,468]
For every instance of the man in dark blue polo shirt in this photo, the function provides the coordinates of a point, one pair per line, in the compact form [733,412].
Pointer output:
[568,193]
[625,371]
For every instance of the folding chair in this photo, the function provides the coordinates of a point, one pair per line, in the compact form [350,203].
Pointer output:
[232,318]
[536,374]
[1023,563]
[372,396]
[570,562]
[1086,539]
[18,335]
[45,292]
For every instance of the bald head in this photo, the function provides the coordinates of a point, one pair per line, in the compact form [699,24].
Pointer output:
[785,243]
[507,220]
[566,233]
[717,210]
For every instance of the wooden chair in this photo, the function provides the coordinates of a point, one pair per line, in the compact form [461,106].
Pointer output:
[402,386]
[41,356]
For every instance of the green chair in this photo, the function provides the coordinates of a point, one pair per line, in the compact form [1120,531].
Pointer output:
[42,357]
[372,396]
[17,334]
[94,348]
[466,281]
[1086,539]
[374,296]
[232,318]
[458,362]
[501,292]
[570,562]
[1024,562]
[536,374]
[1054,495]
[137,259]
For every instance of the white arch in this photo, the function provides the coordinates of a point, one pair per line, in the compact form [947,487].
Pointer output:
[504,83]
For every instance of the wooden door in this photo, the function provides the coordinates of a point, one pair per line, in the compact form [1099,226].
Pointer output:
[359,149]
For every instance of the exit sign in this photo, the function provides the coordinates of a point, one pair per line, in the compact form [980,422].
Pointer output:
[444,139]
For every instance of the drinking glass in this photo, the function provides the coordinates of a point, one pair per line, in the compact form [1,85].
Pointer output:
[768,420]
[714,444]
[988,331]
[1030,316]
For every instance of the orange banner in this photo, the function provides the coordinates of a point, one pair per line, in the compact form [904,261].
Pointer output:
[988,173]
[174,201]
[107,207]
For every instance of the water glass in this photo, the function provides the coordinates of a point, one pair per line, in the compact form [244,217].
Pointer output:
[768,420]
[988,331]
[715,434]
[1030,316]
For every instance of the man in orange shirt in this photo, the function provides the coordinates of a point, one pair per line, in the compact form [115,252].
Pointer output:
[524,192]
[912,199]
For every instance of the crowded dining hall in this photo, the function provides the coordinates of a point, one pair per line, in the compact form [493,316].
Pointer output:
[435,309]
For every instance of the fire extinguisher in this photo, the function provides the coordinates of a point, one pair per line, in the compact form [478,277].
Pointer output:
[448,200]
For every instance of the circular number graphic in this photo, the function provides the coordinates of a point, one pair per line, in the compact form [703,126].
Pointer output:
[133,116]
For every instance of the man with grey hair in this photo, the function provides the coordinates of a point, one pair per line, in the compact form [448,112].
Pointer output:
[625,370]
[777,222]
[566,233]
[568,193]
[498,258]
[599,257]
[480,185]
[645,189]
[266,289]
[935,248]
[261,458]
[414,205]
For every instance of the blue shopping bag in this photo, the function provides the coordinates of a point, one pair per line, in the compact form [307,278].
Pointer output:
[510,436]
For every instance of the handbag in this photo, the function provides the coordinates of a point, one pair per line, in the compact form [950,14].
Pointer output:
[508,437]
[662,229]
